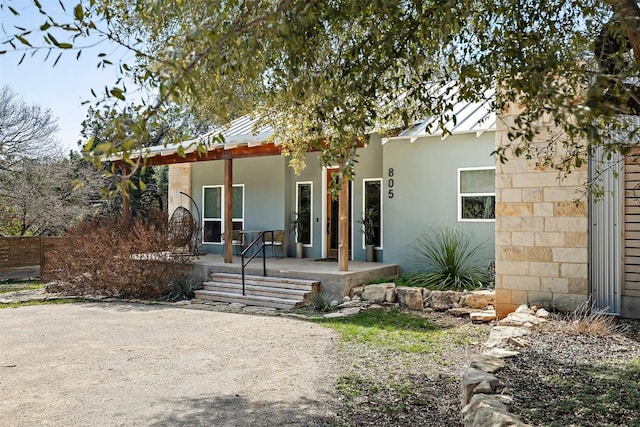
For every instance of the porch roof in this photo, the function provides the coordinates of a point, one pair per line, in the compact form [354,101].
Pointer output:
[243,137]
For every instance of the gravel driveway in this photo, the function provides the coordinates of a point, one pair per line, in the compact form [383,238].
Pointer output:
[128,364]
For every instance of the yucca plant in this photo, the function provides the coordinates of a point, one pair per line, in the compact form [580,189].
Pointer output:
[447,260]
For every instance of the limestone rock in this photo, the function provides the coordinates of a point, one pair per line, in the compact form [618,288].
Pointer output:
[377,292]
[346,299]
[499,335]
[472,378]
[501,353]
[350,311]
[356,292]
[348,304]
[478,299]
[524,308]
[334,315]
[484,316]
[410,298]
[390,295]
[543,314]
[462,312]
[520,319]
[425,293]
[488,410]
[443,300]
[487,363]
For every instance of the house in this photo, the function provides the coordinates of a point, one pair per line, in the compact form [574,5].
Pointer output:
[415,180]
[553,245]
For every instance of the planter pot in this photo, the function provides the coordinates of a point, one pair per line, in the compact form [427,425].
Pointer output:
[371,253]
[299,250]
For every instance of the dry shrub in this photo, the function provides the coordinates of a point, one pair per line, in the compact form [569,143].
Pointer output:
[588,320]
[108,257]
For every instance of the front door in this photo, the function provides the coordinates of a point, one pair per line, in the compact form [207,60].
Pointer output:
[333,218]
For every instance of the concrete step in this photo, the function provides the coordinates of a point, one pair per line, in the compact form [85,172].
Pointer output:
[257,300]
[274,282]
[250,289]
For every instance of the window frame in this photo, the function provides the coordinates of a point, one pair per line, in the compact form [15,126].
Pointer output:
[298,185]
[221,219]
[364,208]
[485,194]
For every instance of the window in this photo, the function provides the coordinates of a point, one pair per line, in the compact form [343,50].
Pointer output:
[213,221]
[372,210]
[304,210]
[476,194]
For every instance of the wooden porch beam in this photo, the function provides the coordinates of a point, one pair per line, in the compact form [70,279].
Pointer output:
[228,211]
[221,153]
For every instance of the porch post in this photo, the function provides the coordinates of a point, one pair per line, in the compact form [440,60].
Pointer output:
[228,210]
[343,226]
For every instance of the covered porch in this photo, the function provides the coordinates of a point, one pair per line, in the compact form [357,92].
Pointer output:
[333,282]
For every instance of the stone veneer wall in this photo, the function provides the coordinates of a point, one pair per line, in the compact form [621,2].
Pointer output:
[541,234]
[179,180]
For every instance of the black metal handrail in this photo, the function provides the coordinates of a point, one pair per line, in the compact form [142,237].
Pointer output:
[259,238]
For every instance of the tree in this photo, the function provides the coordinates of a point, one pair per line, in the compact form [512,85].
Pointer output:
[26,131]
[327,72]
[44,197]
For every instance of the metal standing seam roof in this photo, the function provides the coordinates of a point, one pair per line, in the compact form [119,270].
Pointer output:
[240,131]
[470,117]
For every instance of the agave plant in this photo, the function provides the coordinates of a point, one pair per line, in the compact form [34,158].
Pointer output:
[447,260]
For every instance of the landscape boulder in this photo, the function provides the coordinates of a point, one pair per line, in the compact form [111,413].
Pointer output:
[378,292]
[410,298]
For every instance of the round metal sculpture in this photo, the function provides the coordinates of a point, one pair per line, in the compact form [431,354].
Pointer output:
[181,227]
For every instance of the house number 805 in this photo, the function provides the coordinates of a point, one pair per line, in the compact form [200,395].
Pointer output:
[390,183]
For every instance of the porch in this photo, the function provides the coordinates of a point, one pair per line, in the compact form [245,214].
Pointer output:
[332,281]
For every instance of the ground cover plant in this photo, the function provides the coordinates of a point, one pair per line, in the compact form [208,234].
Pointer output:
[111,258]
[402,369]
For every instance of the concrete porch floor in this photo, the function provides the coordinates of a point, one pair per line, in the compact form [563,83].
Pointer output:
[332,282]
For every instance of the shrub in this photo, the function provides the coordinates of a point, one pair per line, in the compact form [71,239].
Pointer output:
[182,289]
[447,260]
[318,302]
[107,257]
[586,319]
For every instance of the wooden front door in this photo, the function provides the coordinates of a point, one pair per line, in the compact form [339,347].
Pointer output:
[333,218]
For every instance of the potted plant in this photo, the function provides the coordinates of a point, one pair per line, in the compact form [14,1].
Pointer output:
[369,222]
[298,227]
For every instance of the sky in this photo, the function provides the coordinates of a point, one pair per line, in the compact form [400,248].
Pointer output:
[62,88]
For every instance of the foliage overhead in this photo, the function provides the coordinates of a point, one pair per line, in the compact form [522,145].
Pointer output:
[328,72]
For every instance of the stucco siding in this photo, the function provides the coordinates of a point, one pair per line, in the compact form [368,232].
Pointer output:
[422,178]
[264,190]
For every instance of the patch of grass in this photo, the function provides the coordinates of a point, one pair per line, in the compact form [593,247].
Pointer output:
[391,330]
[39,302]
[20,285]
[352,386]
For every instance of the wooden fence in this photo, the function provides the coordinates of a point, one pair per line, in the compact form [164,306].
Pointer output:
[24,257]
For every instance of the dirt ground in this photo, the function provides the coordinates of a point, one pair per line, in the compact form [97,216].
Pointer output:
[129,364]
